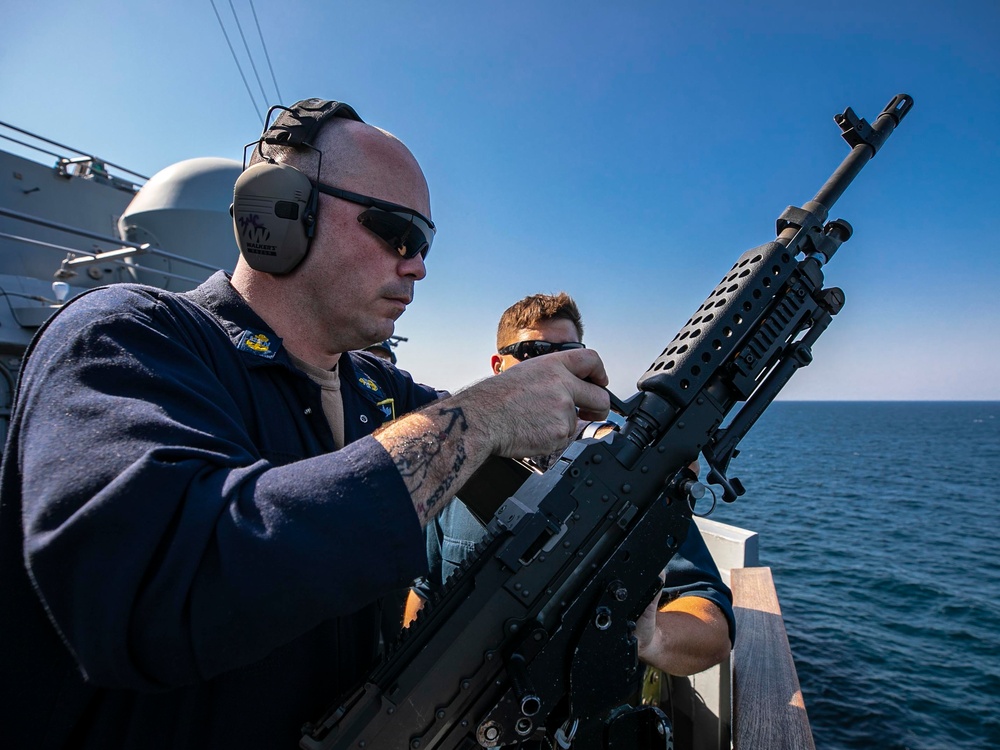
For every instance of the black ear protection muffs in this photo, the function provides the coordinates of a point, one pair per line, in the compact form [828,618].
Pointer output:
[274,205]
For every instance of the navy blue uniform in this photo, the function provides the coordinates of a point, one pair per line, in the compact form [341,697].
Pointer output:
[185,561]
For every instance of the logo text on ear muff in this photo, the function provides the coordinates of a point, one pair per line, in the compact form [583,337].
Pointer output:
[255,235]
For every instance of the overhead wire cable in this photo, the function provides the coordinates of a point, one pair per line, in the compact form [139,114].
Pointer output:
[266,55]
[246,46]
[253,101]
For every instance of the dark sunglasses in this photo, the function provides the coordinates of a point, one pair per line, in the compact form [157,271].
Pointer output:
[523,350]
[408,232]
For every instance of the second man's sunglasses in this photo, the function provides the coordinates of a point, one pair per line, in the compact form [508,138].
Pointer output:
[523,350]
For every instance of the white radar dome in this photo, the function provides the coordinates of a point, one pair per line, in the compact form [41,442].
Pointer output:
[183,210]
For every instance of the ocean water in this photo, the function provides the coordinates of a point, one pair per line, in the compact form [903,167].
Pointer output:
[880,523]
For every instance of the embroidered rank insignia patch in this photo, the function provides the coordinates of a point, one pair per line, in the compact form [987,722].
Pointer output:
[370,384]
[388,407]
[257,343]
[386,404]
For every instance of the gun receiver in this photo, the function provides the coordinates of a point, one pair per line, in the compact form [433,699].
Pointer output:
[533,638]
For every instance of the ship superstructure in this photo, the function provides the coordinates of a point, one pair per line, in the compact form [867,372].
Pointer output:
[70,221]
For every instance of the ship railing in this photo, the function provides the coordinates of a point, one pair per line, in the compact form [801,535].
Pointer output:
[122,256]
[81,164]
[753,699]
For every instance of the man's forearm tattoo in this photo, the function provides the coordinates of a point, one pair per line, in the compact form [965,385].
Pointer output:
[416,457]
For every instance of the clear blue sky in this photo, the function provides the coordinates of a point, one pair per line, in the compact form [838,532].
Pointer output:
[626,152]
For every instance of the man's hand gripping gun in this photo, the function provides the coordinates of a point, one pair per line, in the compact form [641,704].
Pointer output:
[534,638]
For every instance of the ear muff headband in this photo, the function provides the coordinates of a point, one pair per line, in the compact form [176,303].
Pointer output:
[274,205]
[298,125]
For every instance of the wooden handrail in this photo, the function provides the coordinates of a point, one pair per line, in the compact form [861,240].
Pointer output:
[768,710]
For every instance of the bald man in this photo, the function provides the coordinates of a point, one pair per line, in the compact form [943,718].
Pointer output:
[206,495]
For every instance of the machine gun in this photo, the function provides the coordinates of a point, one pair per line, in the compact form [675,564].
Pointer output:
[533,639]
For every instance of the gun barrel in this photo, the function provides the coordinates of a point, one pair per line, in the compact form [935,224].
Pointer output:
[734,311]
[865,141]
